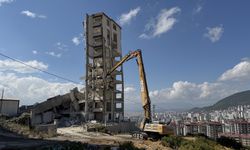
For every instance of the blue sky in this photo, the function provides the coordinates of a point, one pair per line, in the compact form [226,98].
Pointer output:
[195,52]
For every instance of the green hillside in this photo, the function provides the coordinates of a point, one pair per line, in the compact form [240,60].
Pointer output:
[241,98]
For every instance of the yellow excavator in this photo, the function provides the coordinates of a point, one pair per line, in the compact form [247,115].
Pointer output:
[148,128]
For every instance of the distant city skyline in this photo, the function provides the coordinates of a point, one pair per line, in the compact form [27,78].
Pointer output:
[231,123]
[195,52]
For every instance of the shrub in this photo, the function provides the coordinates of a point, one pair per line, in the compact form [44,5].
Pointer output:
[200,143]
[229,142]
[172,141]
[205,144]
[128,146]
[187,145]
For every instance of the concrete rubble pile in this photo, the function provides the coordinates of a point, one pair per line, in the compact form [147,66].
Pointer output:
[94,127]
[61,110]
[23,119]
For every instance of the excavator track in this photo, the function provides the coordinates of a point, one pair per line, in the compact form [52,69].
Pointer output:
[140,135]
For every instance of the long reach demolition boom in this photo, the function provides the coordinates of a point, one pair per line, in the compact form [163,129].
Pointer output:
[146,103]
[148,128]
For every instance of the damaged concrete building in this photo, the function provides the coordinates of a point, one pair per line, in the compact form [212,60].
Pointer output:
[104,95]
[70,105]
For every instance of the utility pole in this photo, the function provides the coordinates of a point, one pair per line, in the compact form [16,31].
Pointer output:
[1,101]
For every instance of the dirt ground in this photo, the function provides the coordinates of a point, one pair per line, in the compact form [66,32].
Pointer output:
[78,134]
[12,140]
[9,139]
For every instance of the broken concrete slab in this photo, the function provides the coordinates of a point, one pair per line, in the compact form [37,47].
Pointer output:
[67,105]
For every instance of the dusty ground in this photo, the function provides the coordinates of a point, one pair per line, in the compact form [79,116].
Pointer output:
[78,134]
[9,139]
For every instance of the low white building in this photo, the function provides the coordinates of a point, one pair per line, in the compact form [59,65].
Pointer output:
[9,107]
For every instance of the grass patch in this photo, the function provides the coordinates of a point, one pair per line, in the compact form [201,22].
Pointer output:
[200,143]
[20,126]
[231,143]
[128,146]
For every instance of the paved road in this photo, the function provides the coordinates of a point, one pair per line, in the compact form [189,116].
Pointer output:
[9,140]
[7,136]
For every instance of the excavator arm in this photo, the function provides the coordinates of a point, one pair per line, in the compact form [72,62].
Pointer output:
[146,103]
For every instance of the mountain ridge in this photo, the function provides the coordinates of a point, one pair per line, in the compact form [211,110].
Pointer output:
[239,98]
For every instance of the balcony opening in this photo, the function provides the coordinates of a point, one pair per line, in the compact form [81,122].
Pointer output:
[118,105]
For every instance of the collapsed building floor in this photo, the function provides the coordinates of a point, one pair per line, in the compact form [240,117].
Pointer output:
[61,109]
[69,109]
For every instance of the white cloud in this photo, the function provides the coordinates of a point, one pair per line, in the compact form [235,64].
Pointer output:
[58,55]
[162,24]
[5,2]
[215,33]
[197,9]
[42,16]
[231,81]
[58,49]
[129,89]
[28,13]
[144,36]
[185,94]
[61,46]
[32,89]
[126,18]
[34,52]
[185,91]
[76,40]
[238,73]
[132,99]
[32,14]
[165,21]
[26,87]
[9,65]
[154,93]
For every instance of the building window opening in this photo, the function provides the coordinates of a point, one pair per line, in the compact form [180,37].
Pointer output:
[114,26]
[108,106]
[119,95]
[118,105]
[115,37]
[108,22]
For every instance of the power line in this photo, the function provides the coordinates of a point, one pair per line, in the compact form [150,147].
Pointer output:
[52,74]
